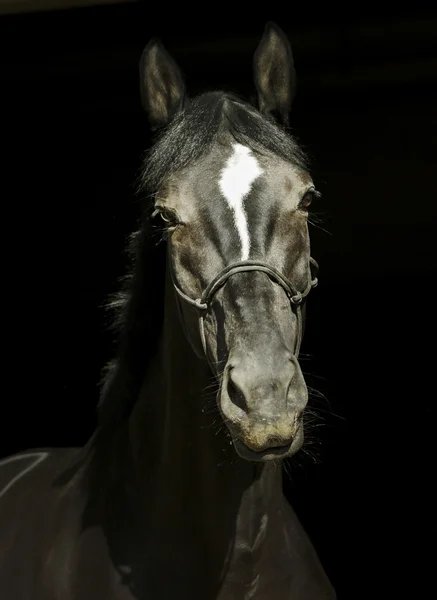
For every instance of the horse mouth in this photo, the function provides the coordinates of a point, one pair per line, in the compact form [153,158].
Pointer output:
[270,453]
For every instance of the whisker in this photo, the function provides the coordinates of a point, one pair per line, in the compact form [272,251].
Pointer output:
[311,222]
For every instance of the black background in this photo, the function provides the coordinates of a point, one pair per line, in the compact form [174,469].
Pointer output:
[73,133]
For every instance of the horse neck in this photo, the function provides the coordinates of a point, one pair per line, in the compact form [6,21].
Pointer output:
[183,452]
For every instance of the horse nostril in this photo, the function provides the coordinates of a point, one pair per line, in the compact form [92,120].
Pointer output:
[236,395]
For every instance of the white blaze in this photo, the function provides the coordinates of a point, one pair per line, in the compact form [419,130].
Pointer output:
[235,183]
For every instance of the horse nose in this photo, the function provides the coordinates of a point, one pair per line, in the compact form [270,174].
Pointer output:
[257,392]
[262,403]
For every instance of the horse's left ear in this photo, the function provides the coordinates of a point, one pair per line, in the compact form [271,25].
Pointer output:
[274,75]
[161,84]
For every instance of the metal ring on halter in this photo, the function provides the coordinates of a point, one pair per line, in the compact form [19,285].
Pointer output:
[297,299]
[295,296]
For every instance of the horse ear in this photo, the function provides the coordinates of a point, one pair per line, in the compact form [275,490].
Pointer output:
[161,84]
[274,75]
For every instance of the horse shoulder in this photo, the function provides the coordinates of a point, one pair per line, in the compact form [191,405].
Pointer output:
[35,504]
[16,467]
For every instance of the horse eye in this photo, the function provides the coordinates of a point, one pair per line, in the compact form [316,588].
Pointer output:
[306,201]
[166,215]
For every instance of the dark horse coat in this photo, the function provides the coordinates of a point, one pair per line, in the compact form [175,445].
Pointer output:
[178,494]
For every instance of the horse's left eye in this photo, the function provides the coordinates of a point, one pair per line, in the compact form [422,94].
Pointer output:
[307,200]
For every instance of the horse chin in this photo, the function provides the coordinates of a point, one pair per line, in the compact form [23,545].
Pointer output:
[273,453]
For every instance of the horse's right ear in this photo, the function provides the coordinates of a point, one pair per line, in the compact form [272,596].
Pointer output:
[161,84]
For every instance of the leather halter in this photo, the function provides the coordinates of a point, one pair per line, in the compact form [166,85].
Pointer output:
[203,304]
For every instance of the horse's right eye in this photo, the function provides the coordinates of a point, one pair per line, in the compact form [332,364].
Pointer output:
[168,216]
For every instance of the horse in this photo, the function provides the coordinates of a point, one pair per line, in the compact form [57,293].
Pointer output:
[178,492]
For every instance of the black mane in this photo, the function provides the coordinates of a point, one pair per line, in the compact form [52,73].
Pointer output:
[139,306]
[191,134]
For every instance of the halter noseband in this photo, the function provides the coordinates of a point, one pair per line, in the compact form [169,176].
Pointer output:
[203,304]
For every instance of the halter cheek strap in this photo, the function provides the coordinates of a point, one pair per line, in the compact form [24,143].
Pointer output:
[202,305]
